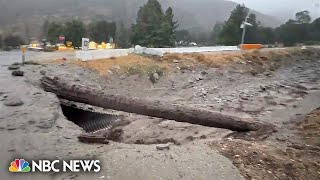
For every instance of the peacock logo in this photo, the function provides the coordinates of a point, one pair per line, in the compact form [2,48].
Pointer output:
[19,165]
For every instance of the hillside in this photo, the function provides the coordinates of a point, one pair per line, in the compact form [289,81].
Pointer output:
[26,18]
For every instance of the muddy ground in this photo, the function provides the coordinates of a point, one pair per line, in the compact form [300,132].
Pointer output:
[281,88]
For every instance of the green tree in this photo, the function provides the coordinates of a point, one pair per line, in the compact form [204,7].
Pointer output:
[102,31]
[153,28]
[54,31]
[252,31]
[299,30]
[292,32]
[231,32]
[303,17]
[265,35]
[122,36]
[149,20]
[163,37]
[74,32]
[217,29]
[169,26]
[313,36]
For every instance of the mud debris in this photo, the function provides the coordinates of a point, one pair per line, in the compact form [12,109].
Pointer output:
[13,101]
[227,87]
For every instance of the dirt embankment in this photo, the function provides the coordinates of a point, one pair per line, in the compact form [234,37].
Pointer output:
[255,62]
[309,129]
[260,160]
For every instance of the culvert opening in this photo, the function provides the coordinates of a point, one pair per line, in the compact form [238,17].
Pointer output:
[118,129]
[89,121]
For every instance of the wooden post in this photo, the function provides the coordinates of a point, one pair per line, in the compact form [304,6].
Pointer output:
[23,50]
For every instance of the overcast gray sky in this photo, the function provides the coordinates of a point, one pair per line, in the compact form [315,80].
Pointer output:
[285,8]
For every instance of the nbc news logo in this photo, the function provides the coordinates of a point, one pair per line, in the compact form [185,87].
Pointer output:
[21,165]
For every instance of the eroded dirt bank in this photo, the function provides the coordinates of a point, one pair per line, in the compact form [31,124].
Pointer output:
[279,87]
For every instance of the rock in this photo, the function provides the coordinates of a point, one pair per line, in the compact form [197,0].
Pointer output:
[122,77]
[204,72]
[162,147]
[263,88]
[143,50]
[231,79]
[17,73]
[282,138]
[13,67]
[116,67]
[13,101]
[203,92]
[176,61]
[267,73]
[203,137]
[243,96]
[154,78]
[190,80]
[253,72]
[138,49]
[237,156]
[109,72]
[42,72]
[198,77]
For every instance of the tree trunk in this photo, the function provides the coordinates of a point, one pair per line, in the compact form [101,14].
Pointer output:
[79,93]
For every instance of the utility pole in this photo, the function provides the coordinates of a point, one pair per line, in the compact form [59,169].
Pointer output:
[244,27]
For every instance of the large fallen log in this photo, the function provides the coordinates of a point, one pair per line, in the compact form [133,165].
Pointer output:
[83,94]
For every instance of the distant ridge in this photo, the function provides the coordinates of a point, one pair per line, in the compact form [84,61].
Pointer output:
[25,18]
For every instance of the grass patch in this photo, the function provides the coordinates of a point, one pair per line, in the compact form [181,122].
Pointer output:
[134,69]
[149,70]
